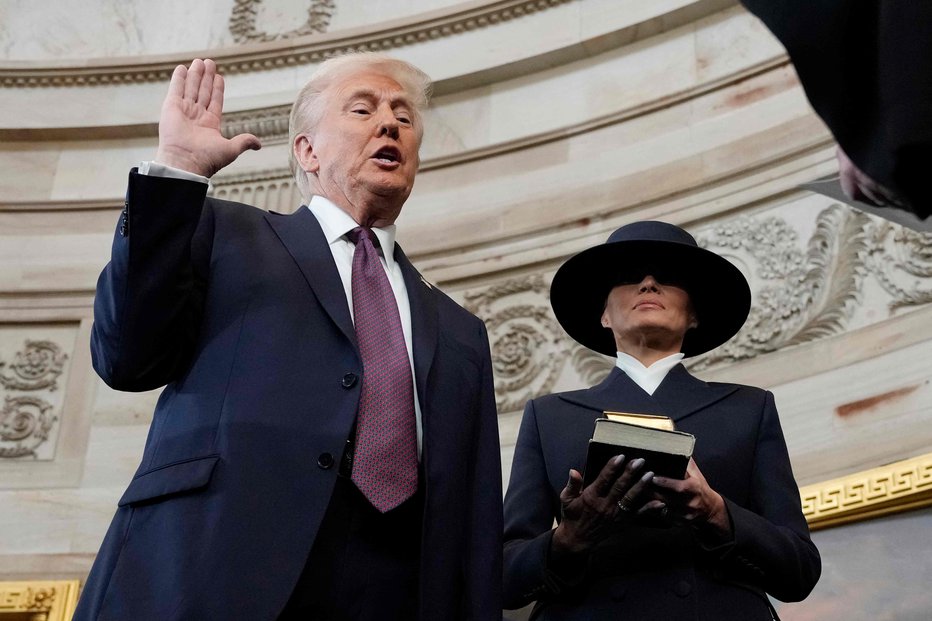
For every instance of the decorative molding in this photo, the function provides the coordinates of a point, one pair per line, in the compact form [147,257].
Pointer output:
[880,491]
[529,349]
[901,261]
[243,21]
[39,599]
[270,125]
[25,423]
[272,190]
[592,367]
[290,52]
[803,293]
[37,367]
[800,296]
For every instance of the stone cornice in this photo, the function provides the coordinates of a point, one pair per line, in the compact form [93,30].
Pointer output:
[271,124]
[276,54]
[893,488]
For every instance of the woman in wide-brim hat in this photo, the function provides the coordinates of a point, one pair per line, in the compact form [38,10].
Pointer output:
[632,545]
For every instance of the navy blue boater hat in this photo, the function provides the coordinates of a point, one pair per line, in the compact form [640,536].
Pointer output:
[719,293]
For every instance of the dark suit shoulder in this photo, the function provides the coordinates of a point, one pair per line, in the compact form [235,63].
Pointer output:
[742,390]
[233,210]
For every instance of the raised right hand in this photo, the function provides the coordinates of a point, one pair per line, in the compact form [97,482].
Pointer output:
[189,125]
[592,513]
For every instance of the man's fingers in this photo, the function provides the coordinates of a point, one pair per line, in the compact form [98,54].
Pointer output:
[176,86]
[206,86]
[216,96]
[245,142]
[192,83]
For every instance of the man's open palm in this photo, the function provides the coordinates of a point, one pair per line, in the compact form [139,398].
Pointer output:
[189,125]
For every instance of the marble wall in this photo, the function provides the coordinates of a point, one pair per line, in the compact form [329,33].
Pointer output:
[554,122]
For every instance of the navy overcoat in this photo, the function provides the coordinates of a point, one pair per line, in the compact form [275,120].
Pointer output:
[663,574]
[242,314]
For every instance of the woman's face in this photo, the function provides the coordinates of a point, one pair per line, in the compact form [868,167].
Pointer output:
[648,314]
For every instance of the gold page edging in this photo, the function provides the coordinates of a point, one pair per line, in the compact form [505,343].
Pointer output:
[893,488]
[56,599]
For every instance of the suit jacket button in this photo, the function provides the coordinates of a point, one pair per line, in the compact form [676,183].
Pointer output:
[349,380]
[682,588]
[325,461]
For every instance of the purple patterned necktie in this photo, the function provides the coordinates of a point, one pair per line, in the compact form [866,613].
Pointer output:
[385,460]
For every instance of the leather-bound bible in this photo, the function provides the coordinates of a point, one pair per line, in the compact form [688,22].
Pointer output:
[666,452]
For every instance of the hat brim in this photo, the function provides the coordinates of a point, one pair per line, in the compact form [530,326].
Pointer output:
[719,293]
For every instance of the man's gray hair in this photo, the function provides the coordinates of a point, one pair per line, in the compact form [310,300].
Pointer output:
[308,108]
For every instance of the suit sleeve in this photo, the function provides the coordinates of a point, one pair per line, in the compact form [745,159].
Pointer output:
[530,510]
[771,547]
[150,296]
[484,566]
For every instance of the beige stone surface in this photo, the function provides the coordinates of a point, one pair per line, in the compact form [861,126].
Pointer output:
[551,127]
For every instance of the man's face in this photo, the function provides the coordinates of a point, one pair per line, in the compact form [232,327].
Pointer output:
[364,150]
[648,312]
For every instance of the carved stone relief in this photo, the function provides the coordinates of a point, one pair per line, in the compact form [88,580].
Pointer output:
[28,421]
[36,367]
[803,290]
[529,349]
[269,190]
[245,12]
[270,125]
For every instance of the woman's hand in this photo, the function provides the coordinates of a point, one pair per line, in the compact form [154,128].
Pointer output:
[592,513]
[689,501]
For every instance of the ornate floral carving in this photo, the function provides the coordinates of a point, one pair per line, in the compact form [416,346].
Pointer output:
[38,599]
[591,366]
[37,367]
[25,423]
[48,600]
[528,347]
[901,259]
[243,21]
[802,295]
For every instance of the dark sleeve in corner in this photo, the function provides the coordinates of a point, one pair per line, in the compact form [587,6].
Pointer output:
[866,68]
[484,563]
[150,296]
[530,570]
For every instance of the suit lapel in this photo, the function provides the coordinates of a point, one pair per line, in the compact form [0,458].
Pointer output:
[424,322]
[680,394]
[302,236]
[616,393]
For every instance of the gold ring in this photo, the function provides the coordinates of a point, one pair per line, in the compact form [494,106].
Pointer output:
[624,506]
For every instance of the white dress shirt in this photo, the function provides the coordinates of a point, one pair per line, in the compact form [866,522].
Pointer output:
[648,378]
[335,224]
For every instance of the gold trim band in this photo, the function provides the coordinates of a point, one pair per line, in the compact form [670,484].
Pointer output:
[54,600]
[893,488]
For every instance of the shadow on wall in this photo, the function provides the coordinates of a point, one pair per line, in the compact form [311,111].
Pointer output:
[876,570]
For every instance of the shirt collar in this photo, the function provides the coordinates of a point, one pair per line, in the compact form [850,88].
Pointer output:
[336,223]
[650,377]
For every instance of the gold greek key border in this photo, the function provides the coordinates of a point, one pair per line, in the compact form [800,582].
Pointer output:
[893,488]
[277,54]
[54,599]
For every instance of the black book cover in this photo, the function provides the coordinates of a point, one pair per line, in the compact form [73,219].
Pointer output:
[666,452]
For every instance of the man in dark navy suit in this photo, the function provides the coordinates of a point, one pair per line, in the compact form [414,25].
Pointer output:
[326,446]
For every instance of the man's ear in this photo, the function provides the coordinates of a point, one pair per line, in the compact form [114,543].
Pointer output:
[304,154]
